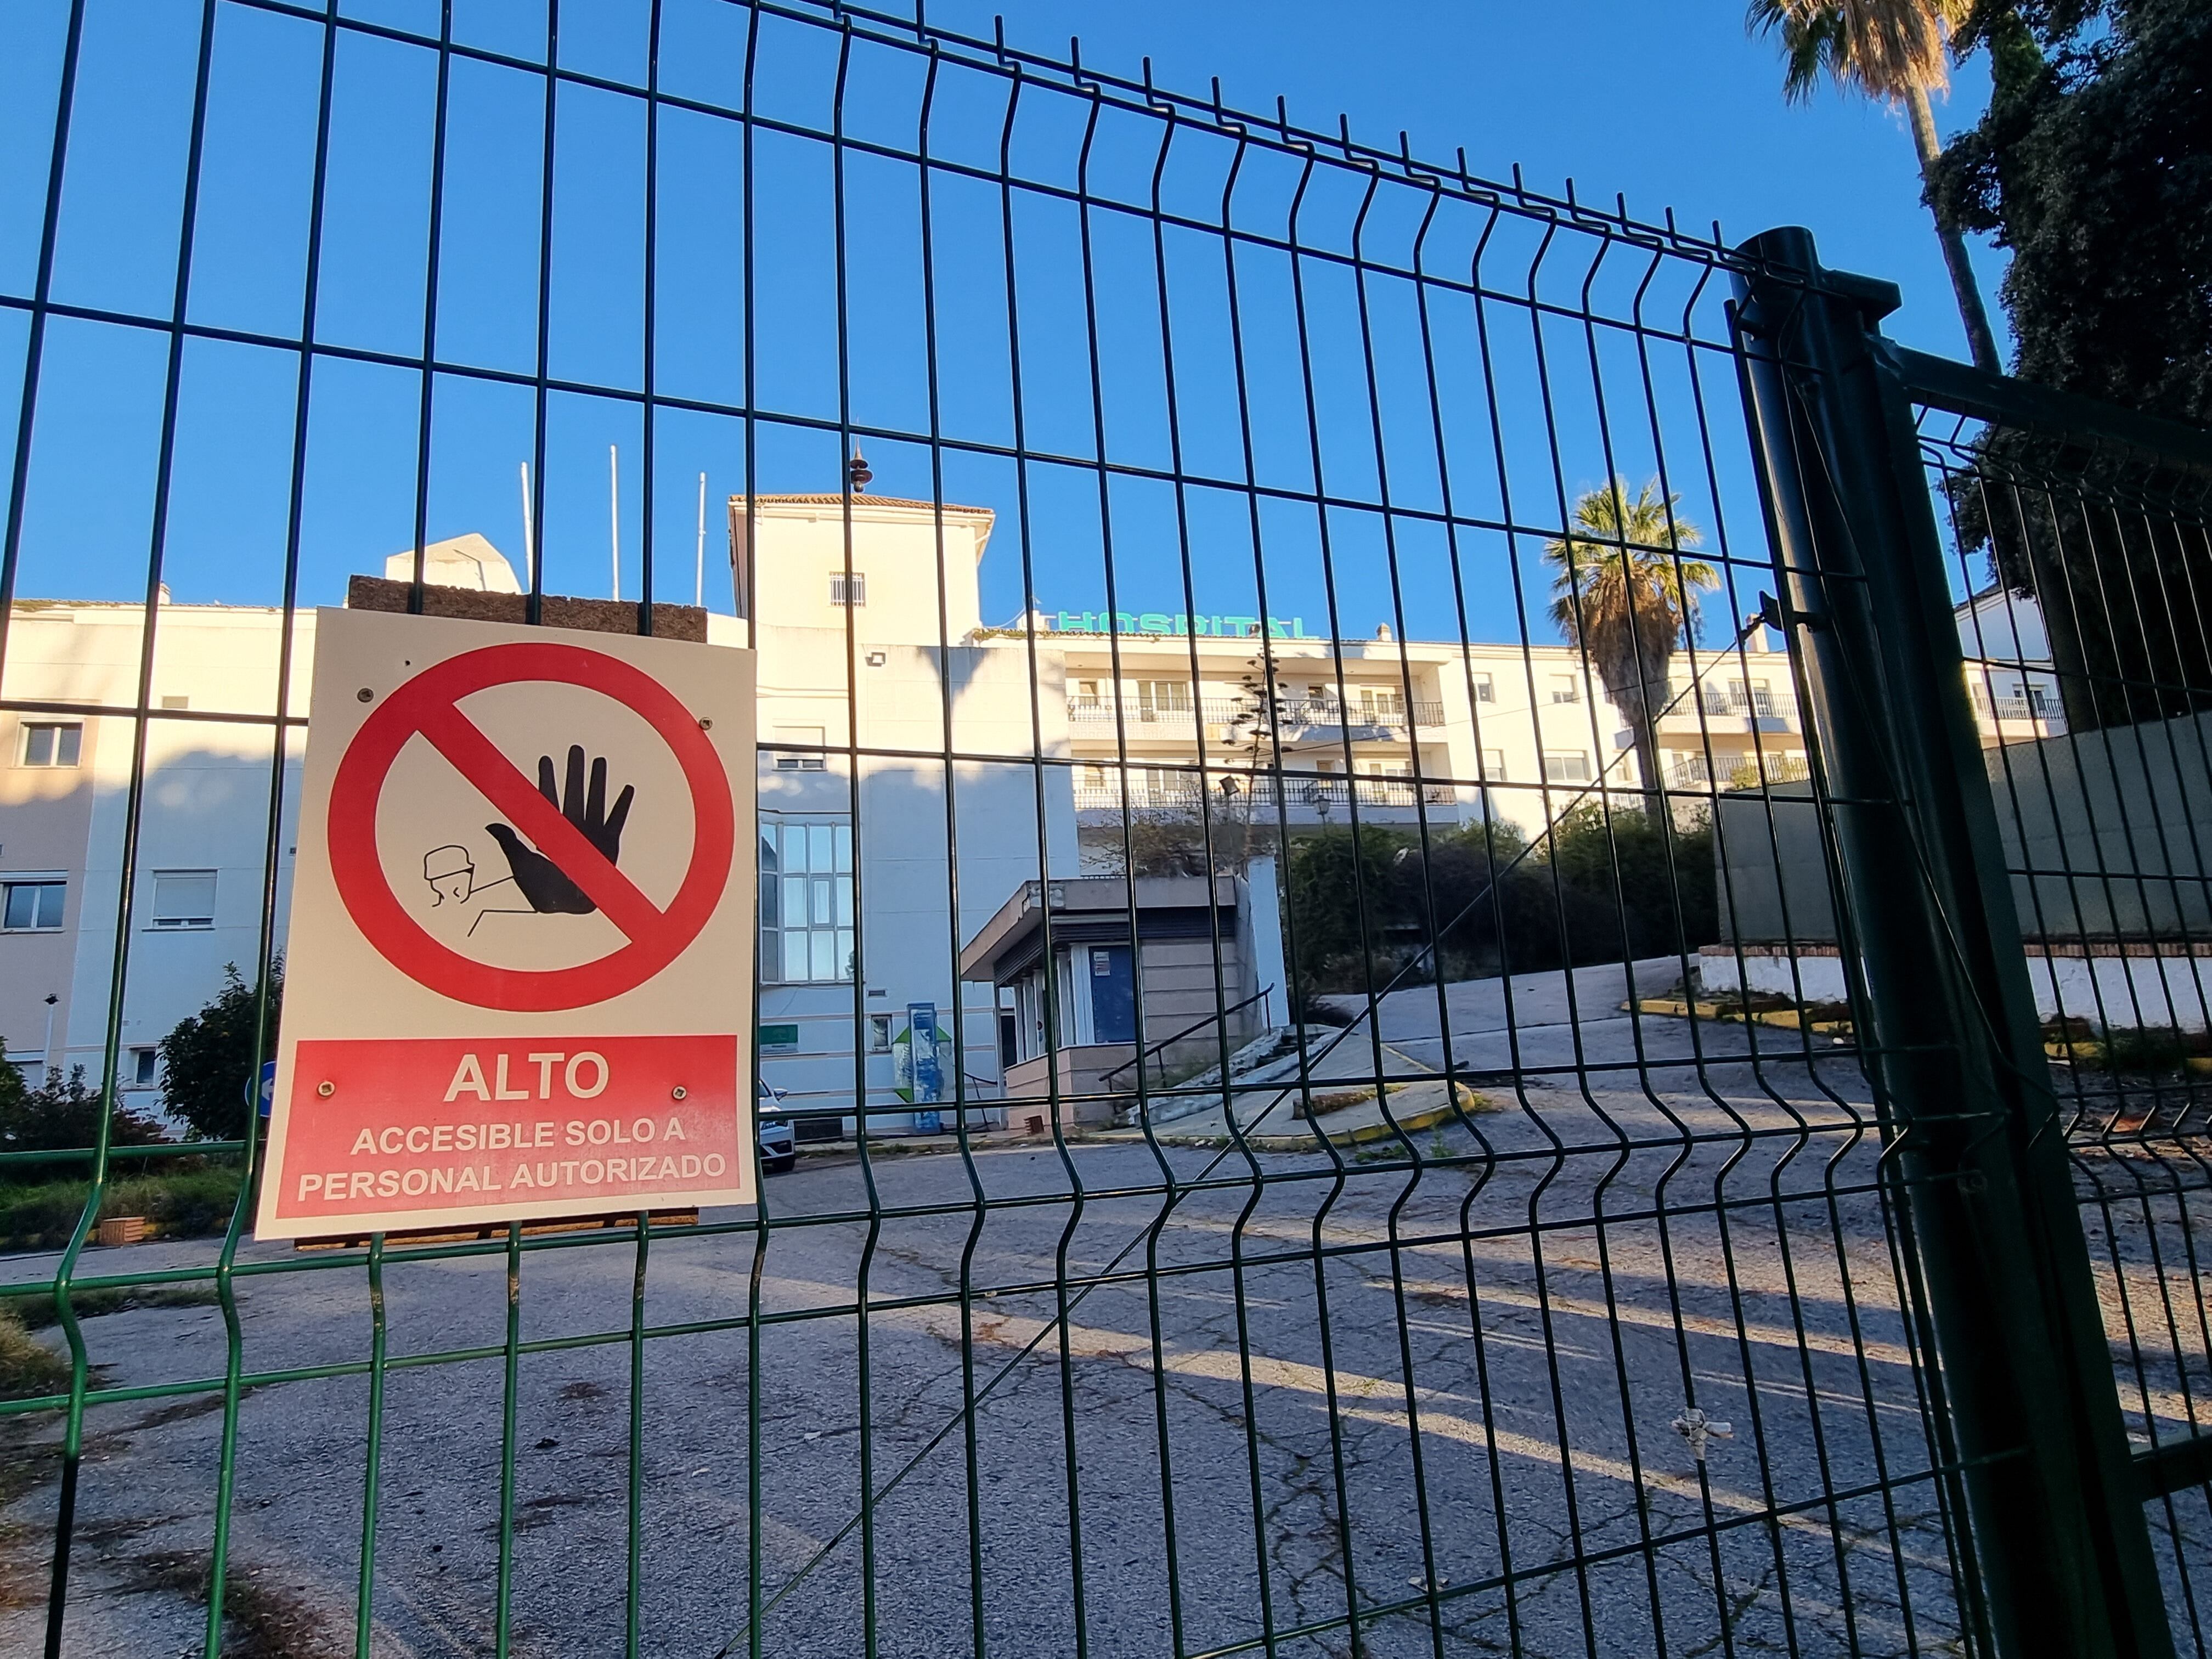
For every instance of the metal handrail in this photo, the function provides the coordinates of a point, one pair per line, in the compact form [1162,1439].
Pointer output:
[1106,1078]
[1286,712]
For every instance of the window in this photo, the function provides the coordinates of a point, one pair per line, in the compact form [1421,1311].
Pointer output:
[1483,690]
[1565,688]
[1567,766]
[184,898]
[51,743]
[803,736]
[32,906]
[142,1064]
[806,900]
[779,1039]
[879,1034]
[1493,765]
[848,590]
[1162,696]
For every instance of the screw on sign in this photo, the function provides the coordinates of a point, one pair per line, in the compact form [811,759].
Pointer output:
[490,1014]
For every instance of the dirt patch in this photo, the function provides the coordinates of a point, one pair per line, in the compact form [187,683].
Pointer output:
[260,1621]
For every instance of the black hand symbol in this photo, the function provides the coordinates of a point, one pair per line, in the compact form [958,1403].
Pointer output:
[542,881]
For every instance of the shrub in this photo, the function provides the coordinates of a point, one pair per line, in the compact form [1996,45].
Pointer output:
[181,1203]
[61,1114]
[1595,889]
[210,1061]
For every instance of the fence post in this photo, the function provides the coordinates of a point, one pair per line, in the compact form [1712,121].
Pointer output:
[2028,1375]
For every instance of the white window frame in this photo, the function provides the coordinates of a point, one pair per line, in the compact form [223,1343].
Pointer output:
[1158,697]
[1579,757]
[1491,768]
[800,734]
[1566,689]
[1485,690]
[145,1068]
[190,921]
[854,586]
[7,887]
[831,941]
[32,728]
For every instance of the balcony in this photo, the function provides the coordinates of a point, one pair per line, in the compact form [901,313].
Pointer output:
[1759,708]
[2036,704]
[1263,796]
[1299,714]
[1693,771]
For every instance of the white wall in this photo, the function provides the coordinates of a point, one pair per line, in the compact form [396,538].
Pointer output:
[204,803]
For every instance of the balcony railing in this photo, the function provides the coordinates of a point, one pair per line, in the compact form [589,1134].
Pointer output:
[1264,795]
[1290,713]
[1694,772]
[2037,705]
[1727,700]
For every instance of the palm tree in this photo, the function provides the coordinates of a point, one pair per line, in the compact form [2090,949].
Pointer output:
[1895,51]
[1628,598]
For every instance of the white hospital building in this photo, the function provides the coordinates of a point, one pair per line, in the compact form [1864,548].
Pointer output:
[1046,734]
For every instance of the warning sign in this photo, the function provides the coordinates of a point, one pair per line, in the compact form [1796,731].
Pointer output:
[519,981]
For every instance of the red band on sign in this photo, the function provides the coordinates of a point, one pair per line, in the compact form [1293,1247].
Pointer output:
[446,1127]
[428,705]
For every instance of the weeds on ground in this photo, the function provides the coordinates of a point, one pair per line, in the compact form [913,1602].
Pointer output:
[180,1203]
[2145,1049]
[37,1312]
[2139,1048]
[27,1367]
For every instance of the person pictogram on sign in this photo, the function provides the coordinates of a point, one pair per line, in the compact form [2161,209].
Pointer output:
[544,887]
[452,872]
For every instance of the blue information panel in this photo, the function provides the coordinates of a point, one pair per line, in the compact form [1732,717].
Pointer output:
[928,1079]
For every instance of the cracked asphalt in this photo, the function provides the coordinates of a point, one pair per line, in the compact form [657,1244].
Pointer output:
[1222,1404]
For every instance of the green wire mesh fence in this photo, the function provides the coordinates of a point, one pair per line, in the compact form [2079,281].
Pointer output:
[1324,1099]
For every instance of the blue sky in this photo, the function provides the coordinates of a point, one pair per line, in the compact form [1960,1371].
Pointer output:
[1671,107]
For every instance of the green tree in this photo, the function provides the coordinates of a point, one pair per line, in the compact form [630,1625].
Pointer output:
[1893,51]
[12,1090]
[1628,598]
[2093,167]
[209,1060]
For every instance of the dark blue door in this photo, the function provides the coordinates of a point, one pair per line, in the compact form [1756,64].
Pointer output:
[1113,993]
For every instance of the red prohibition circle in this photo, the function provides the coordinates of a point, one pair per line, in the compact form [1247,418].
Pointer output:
[427,705]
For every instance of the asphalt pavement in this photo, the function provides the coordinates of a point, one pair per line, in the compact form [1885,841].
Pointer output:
[1112,1399]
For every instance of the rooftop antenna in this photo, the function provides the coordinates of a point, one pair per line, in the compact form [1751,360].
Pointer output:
[614,514]
[699,578]
[529,552]
[857,473]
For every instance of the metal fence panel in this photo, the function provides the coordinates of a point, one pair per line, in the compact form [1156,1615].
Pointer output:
[2078,531]
[1197,566]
